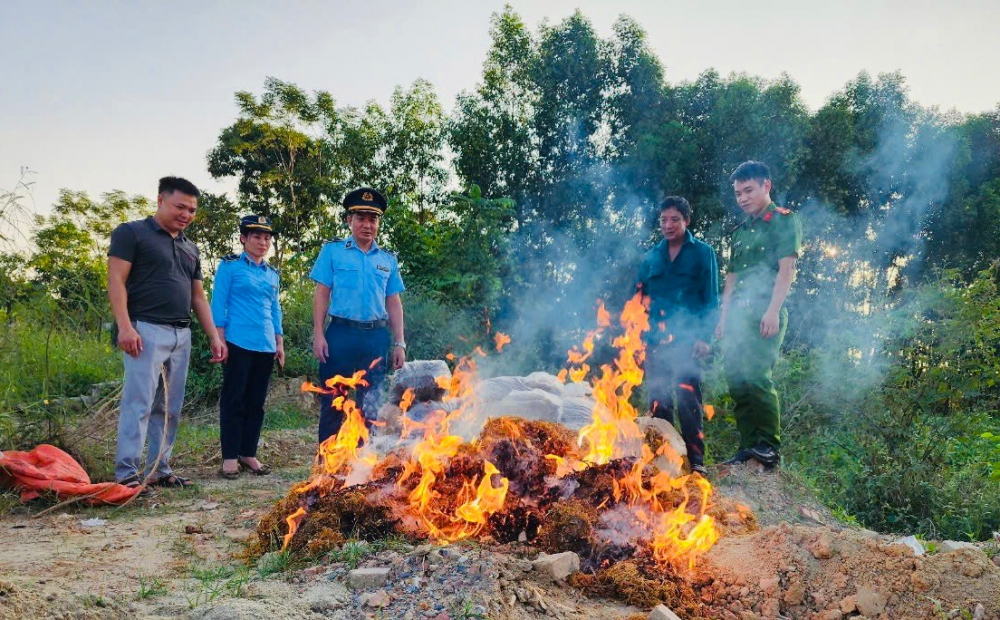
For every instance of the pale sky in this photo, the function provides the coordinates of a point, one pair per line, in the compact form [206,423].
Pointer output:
[101,95]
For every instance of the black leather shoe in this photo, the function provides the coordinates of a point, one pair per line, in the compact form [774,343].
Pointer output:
[741,457]
[766,454]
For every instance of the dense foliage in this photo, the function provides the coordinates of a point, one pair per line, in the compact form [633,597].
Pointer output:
[536,195]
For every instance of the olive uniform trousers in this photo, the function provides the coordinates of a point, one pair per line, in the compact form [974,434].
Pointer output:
[749,365]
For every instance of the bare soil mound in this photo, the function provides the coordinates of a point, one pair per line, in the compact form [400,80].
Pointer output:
[145,563]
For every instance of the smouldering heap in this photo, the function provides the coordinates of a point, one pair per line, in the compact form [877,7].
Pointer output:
[439,486]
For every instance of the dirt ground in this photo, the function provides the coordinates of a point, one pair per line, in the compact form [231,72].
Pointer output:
[173,555]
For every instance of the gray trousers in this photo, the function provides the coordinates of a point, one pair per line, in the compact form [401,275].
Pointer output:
[151,407]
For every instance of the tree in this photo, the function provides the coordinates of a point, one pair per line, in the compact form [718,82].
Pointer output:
[69,261]
[491,130]
[215,228]
[412,149]
[15,286]
[284,165]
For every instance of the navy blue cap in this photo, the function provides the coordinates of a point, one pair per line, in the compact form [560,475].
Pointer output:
[256,223]
[365,200]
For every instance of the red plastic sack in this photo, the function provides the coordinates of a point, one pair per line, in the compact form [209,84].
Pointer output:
[47,468]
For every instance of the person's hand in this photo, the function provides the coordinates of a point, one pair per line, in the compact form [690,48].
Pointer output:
[701,349]
[219,350]
[398,357]
[320,349]
[130,341]
[280,354]
[720,329]
[769,324]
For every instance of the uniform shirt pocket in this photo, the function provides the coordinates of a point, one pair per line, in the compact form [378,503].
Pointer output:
[382,274]
[346,278]
[242,285]
[687,281]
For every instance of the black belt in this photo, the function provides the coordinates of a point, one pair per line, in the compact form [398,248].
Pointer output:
[179,323]
[359,324]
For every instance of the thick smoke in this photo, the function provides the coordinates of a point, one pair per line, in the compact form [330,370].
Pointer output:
[857,271]
[853,276]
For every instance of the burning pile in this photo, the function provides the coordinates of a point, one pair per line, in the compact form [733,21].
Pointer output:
[597,492]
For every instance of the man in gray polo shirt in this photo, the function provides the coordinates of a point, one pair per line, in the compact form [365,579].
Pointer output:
[154,281]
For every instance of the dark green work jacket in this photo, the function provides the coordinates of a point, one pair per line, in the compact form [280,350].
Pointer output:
[683,293]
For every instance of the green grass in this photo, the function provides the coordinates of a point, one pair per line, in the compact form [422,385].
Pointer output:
[42,364]
[354,552]
[9,501]
[274,563]
[214,581]
[150,587]
[466,610]
[287,417]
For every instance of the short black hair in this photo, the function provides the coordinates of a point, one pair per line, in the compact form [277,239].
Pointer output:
[169,185]
[750,170]
[676,202]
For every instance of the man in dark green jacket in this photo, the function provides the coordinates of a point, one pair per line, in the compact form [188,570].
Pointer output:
[680,276]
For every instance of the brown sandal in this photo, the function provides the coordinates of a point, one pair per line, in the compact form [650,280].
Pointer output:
[172,481]
[133,482]
[263,470]
[229,475]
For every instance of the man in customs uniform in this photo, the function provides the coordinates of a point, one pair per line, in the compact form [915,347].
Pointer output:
[154,281]
[680,277]
[357,312]
[765,247]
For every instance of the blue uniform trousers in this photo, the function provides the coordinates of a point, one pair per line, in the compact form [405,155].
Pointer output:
[352,349]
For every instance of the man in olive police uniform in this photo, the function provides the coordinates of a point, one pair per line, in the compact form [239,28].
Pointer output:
[680,276]
[358,287]
[765,247]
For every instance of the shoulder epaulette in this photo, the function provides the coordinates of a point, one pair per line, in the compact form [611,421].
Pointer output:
[272,268]
[231,257]
[332,241]
[783,210]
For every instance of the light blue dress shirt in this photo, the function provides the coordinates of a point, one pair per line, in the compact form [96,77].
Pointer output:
[245,302]
[359,281]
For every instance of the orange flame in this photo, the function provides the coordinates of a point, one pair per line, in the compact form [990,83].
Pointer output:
[343,459]
[674,510]
[293,521]
[565,466]
[429,458]
[613,432]
[579,375]
[501,339]
[489,499]
[603,316]
[406,400]
[676,532]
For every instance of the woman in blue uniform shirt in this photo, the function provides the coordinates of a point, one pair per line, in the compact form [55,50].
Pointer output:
[247,313]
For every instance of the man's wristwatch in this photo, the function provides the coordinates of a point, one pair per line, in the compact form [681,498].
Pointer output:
[401,345]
